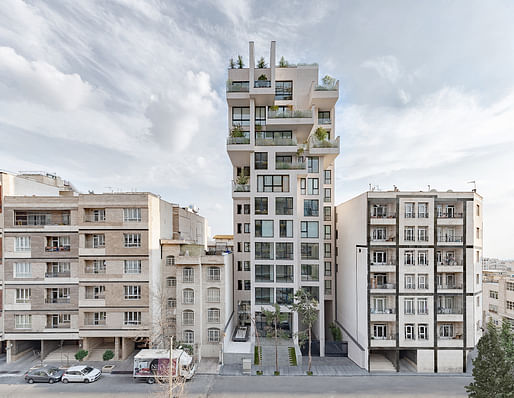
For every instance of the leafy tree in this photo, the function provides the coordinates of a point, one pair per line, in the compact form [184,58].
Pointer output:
[240,63]
[81,354]
[507,342]
[493,372]
[321,134]
[108,355]
[307,307]
[273,320]
[261,63]
[283,63]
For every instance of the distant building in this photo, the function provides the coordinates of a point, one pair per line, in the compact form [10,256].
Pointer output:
[498,297]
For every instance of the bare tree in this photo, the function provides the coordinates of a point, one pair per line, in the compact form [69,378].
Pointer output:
[273,320]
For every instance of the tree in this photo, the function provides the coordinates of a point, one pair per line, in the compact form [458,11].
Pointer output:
[321,134]
[493,371]
[283,63]
[507,342]
[273,320]
[307,307]
[240,63]
[261,63]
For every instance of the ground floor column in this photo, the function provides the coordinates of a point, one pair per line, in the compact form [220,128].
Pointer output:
[8,349]
[117,348]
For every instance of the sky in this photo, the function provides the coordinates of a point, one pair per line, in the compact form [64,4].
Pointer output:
[129,95]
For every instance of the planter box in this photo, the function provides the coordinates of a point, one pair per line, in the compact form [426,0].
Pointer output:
[107,368]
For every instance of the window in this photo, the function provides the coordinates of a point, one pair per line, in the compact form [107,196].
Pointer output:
[213,335]
[380,331]
[22,244]
[450,211]
[98,240]
[213,295]
[379,211]
[493,294]
[327,195]
[327,213]
[247,284]
[284,273]
[188,275]
[439,211]
[312,165]
[132,292]
[170,260]
[188,318]
[246,265]
[310,229]
[312,186]
[284,295]
[96,215]
[423,234]
[247,247]
[409,306]
[328,286]
[510,286]
[284,206]
[261,205]
[239,209]
[423,331]
[239,284]
[379,233]
[132,214]
[263,272]
[303,186]
[95,318]
[263,295]
[510,304]
[310,251]
[239,228]
[286,228]
[423,281]
[423,210]
[188,296]
[379,258]
[132,240]
[213,315]
[264,228]
[22,321]
[261,160]
[240,116]
[310,272]
[446,331]
[409,234]
[422,258]
[132,318]
[327,174]
[324,117]
[260,115]
[311,207]
[96,267]
[213,274]
[328,268]
[263,250]
[22,270]
[478,233]
[422,306]
[284,90]
[246,228]
[409,210]
[328,232]
[409,281]
[408,258]
[132,267]
[22,296]
[189,337]
[171,281]
[273,183]
[328,250]
[409,331]
[478,210]
[172,302]
[246,208]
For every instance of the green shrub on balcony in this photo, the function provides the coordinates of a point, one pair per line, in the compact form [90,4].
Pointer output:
[232,64]
[263,77]
[321,134]
[237,132]
[242,179]
[283,63]
[261,64]
[240,63]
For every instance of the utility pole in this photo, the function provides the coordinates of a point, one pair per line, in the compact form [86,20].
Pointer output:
[171,367]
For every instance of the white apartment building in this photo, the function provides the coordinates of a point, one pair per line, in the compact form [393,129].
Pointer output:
[498,297]
[409,280]
[283,189]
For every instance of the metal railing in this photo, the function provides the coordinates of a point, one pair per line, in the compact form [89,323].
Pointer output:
[374,285]
[90,269]
[290,166]
[93,218]
[389,263]
[92,296]
[390,337]
[452,286]
[450,239]
[443,310]
[62,274]
[326,87]
[57,248]
[64,325]
[290,113]
[450,262]
[237,87]
[382,311]
[386,215]
[449,215]
[262,84]
[238,140]
[57,300]
[240,187]
[315,143]
[324,120]
[276,141]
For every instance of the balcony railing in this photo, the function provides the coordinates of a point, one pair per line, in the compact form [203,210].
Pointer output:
[450,262]
[324,120]
[385,215]
[374,285]
[315,143]
[449,215]
[91,296]
[262,84]
[290,165]
[237,87]
[93,218]
[62,274]
[382,311]
[389,239]
[240,187]
[57,300]
[450,239]
[276,141]
[390,337]
[442,310]
[95,323]
[90,269]
[57,248]
[238,140]
[451,286]
[65,220]
[387,263]
[64,325]
[289,114]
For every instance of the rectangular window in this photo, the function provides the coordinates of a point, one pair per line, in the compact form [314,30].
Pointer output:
[22,270]
[310,272]
[284,90]
[423,234]
[493,294]
[446,331]
[327,213]
[132,267]
[309,229]
[283,206]
[132,214]
[248,284]
[213,335]
[273,183]
[264,228]
[263,295]
[284,295]
[213,315]
[409,210]
[510,304]
[22,244]
[423,281]
[23,321]
[328,268]
[311,207]
[422,306]
[284,273]
[310,251]
[328,250]
[261,160]
[263,272]
[303,186]
[409,306]
[246,265]
[260,115]
[380,331]
[327,177]
[327,197]
[286,228]
[98,241]
[409,332]
[379,258]
[261,205]
[423,258]
[312,186]
[312,165]
[284,251]
[328,232]
[478,210]
[510,286]
[408,258]
[132,292]
[213,274]
[409,234]
[324,117]
[22,296]
[132,318]
[379,233]
[263,250]
[409,281]
[423,210]
[423,332]
[132,240]
[213,295]
[240,116]
[246,228]
[239,209]
[246,209]
[328,286]
[247,247]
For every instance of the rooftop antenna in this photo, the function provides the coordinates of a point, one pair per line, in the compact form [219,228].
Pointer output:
[474,185]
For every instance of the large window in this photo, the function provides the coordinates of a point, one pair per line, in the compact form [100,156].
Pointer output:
[312,186]
[189,336]
[22,244]
[263,295]
[263,250]
[311,207]
[409,331]
[310,229]
[171,281]
[213,335]
[328,232]
[328,268]
[446,331]
[328,250]
[188,296]
[132,240]
[410,282]
[310,251]
[264,228]
[132,292]
[261,160]
[22,296]
[423,331]
[260,115]
[310,272]
[286,228]
[213,295]
[284,206]
[422,306]
[261,205]
[213,315]
[188,275]
[284,273]
[409,210]
[284,251]
[213,274]
[132,267]
[22,321]
[284,295]
[284,90]
[409,234]
[380,331]
[241,116]
[312,165]
[273,183]
[328,177]
[98,240]
[327,197]
[188,317]
[408,304]
[132,318]
[327,213]
[22,270]
[263,272]
[132,214]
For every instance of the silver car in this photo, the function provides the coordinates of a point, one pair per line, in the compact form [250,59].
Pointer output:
[81,374]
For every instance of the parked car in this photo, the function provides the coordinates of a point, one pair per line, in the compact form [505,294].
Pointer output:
[44,374]
[81,374]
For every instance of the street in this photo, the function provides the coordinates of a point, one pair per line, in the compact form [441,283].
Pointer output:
[250,386]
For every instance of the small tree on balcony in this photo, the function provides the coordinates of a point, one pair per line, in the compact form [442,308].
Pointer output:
[261,63]
[307,307]
[328,81]
[242,179]
[237,132]
[321,134]
[283,63]
[263,77]
[232,64]
[273,320]
[240,63]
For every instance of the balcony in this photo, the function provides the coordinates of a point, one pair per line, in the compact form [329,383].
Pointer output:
[290,114]
[237,87]
[324,121]
[94,218]
[276,141]
[57,300]
[92,296]
[383,341]
[325,147]
[290,165]
[240,187]
[238,140]
[383,286]
[449,239]
[57,248]
[449,215]
[383,215]
[454,286]
[324,95]
[262,84]
[62,274]
[64,325]
[39,219]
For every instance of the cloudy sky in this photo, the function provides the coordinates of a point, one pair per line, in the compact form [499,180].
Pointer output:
[129,94]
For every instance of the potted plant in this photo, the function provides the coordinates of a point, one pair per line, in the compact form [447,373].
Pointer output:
[232,64]
[328,82]
[300,152]
[240,63]
[237,132]
[261,63]
[273,108]
[321,134]
[283,63]
[242,179]
[262,77]
[258,127]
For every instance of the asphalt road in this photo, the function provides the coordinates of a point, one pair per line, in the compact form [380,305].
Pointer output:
[246,386]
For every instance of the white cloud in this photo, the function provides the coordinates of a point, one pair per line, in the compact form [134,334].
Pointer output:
[386,66]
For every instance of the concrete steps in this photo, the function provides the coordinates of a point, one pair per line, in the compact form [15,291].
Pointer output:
[379,363]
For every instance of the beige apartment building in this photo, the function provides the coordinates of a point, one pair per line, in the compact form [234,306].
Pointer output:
[409,279]
[283,191]
[498,297]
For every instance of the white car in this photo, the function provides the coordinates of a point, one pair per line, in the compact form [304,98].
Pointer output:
[81,374]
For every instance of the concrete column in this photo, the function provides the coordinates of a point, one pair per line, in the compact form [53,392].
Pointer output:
[272,63]
[8,349]
[116,348]
[251,65]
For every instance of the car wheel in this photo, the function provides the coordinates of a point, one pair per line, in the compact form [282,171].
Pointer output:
[86,381]
[150,380]
[65,381]
[30,381]
[51,381]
